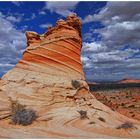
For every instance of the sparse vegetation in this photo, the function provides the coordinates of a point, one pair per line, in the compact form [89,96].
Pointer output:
[21,115]
[101,119]
[92,122]
[75,84]
[83,114]
[24,117]
[126,126]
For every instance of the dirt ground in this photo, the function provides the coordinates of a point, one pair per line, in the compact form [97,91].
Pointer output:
[125,101]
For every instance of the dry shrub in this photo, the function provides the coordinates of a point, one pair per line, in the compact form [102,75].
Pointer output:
[83,114]
[101,119]
[24,117]
[75,84]
[21,115]
[126,126]
[92,122]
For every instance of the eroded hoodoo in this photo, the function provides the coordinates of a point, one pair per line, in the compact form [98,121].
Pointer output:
[49,80]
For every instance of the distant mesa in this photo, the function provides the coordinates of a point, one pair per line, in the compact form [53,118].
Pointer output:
[92,83]
[128,80]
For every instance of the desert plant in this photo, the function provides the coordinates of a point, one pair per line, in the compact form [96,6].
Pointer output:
[75,84]
[92,122]
[24,117]
[101,119]
[21,115]
[83,114]
[126,126]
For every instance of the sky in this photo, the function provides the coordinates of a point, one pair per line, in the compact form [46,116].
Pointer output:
[110,33]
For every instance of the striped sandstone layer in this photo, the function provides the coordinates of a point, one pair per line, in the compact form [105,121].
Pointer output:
[42,81]
[57,52]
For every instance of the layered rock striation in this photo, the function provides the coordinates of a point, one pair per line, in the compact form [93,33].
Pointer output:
[57,52]
[50,80]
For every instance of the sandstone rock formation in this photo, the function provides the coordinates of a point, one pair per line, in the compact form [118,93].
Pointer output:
[50,80]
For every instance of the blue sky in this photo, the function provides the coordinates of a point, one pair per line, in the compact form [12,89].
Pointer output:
[110,31]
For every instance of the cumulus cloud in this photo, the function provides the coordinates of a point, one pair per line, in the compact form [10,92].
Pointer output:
[88,18]
[12,44]
[33,16]
[45,25]
[121,20]
[42,12]
[116,11]
[13,19]
[103,65]
[115,56]
[62,8]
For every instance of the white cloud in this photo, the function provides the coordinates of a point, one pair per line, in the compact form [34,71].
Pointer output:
[87,19]
[62,8]
[116,11]
[12,43]
[45,25]
[17,3]
[116,54]
[100,63]
[33,16]
[13,19]
[42,13]
[94,47]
